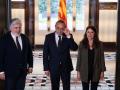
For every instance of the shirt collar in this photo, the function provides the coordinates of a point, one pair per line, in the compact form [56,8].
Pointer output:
[56,35]
[14,35]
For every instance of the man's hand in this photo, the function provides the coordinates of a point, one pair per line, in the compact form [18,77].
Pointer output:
[67,32]
[2,76]
[47,73]
[30,70]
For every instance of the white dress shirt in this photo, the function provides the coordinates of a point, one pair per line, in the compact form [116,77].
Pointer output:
[19,40]
[57,38]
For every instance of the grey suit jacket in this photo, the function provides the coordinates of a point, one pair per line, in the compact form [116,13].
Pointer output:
[82,62]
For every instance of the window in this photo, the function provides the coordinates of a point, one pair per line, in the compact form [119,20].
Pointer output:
[46,15]
[76,13]
[80,14]
[42,14]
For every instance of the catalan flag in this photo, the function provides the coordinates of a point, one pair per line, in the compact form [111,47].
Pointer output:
[62,14]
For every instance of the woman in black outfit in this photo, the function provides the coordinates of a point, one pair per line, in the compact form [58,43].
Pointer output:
[90,61]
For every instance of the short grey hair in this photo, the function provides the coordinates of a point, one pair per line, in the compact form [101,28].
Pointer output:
[14,21]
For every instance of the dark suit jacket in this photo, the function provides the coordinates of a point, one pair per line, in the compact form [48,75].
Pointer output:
[11,59]
[52,57]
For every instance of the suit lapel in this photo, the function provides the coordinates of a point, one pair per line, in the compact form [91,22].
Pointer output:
[12,40]
[96,55]
[54,41]
[23,42]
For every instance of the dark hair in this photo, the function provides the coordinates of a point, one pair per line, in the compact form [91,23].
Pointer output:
[96,41]
[61,21]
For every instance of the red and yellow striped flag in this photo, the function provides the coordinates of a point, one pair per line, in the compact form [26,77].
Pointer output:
[62,14]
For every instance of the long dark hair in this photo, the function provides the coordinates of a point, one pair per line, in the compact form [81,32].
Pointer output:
[96,41]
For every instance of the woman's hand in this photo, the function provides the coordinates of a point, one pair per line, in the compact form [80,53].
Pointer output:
[78,76]
[102,76]
[30,70]
[2,76]
[47,73]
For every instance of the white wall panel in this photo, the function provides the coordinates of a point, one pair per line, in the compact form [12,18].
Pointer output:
[107,25]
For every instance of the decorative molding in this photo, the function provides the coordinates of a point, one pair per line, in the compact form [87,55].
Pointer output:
[108,6]
[109,46]
[18,4]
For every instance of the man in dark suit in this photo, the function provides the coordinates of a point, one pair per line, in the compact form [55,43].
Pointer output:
[15,57]
[56,56]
